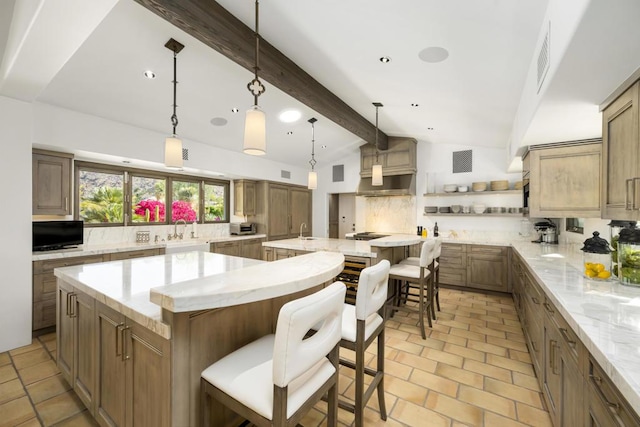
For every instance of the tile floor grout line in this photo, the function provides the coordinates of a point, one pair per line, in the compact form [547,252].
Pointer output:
[24,387]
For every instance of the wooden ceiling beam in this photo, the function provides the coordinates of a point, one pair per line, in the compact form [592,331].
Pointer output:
[209,22]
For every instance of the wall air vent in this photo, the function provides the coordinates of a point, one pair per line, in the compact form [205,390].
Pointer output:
[544,57]
[285,174]
[338,173]
[185,154]
[462,161]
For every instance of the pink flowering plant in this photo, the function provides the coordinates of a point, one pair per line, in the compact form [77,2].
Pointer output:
[150,210]
[183,210]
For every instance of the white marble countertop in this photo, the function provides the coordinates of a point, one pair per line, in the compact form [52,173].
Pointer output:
[125,285]
[85,250]
[349,247]
[250,284]
[605,315]
[396,240]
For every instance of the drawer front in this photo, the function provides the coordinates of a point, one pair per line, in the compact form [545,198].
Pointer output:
[488,250]
[117,256]
[44,314]
[604,391]
[50,264]
[453,276]
[44,286]
[453,249]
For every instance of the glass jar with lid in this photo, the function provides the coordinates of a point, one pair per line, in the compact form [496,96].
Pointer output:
[615,226]
[629,256]
[596,258]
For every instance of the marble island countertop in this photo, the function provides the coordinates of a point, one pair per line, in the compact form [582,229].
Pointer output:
[85,250]
[345,246]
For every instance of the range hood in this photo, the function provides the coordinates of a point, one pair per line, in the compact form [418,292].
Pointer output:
[392,185]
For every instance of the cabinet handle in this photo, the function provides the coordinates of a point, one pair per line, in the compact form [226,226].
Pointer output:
[535,300]
[68,304]
[598,384]
[74,301]
[626,193]
[553,350]
[66,203]
[548,307]
[123,331]
[567,338]
[633,204]
[119,328]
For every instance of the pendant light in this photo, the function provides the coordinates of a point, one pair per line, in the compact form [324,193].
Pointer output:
[255,139]
[313,175]
[173,144]
[376,170]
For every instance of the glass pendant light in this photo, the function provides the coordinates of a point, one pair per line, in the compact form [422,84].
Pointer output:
[173,144]
[255,130]
[312,183]
[376,170]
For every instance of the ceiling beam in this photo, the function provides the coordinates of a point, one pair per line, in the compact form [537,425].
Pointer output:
[209,22]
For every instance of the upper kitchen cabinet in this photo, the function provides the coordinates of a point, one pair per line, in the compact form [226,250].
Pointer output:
[281,209]
[244,197]
[398,159]
[51,183]
[620,157]
[564,179]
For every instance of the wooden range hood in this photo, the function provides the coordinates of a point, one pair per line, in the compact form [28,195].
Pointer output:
[209,22]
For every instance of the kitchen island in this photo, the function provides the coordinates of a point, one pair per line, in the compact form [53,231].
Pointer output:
[134,335]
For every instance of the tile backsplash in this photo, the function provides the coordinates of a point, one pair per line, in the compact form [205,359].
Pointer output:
[108,235]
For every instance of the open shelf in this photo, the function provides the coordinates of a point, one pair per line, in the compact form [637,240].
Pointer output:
[520,214]
[474,193]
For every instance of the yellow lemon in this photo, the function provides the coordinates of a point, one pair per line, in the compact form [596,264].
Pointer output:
[588,265]
[590,273]
[598,267]
[604,274]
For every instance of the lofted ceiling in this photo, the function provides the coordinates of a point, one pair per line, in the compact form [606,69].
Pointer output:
[471,98]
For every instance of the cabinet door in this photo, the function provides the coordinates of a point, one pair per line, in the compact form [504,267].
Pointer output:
[148,377]
[244,198]
[565,181]
[281,254]
[83,314]
[487,268]
[552,381]
[64,332]
[453,264]
[572,393]
[300,211]
[251,248]
[51,184]
[110,390]
[620,146]
[268,254]
[279,219]
[227,248]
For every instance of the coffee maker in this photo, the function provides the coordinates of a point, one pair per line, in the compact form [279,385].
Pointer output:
[547,232]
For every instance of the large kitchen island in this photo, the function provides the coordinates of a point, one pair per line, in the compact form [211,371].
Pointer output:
[133,336]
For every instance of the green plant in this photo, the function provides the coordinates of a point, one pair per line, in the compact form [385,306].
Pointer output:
[105,205]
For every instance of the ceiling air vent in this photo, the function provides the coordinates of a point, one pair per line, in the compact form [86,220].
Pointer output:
[462,161]
[338,173]
[285,174]
[544,57]
[185,154]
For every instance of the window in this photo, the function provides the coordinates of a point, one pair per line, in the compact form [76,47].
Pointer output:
[101,196]
[110,195]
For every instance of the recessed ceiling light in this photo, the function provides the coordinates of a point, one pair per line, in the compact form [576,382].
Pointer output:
[126,162]
[218,121]
[290,132]
[385,59]
[433,54]
[429,128]
[324,146]
[150,74]
[234,110]
[414,104]
[290,116]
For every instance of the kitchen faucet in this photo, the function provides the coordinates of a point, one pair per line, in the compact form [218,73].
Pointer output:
[303,225]
[175,228]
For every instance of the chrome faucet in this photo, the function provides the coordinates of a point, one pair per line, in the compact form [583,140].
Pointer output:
[175,229]
[303,225]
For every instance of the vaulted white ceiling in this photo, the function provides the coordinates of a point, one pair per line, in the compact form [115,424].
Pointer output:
[471,98]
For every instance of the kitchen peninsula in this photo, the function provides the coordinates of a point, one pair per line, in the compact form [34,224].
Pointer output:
[134,335]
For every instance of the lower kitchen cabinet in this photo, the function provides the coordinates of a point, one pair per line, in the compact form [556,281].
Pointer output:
[118,256]
[246,248]
[226,248]
[75,341]
[475,266]
[604,404]
[133,372]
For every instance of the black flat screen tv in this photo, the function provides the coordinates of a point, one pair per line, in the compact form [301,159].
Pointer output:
[50,235]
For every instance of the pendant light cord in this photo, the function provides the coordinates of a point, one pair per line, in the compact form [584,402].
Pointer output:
[174,116]
[377,135]
[313,162]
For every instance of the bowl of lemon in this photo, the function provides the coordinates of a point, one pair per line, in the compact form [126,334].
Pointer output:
[596,270]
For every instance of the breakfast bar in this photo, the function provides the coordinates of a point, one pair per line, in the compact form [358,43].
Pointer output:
[134,335]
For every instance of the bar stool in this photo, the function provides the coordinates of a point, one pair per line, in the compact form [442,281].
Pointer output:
[276,379]
[361,324]
[420,277]
[436,278]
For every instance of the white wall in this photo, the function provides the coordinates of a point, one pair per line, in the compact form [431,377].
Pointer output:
[15,252]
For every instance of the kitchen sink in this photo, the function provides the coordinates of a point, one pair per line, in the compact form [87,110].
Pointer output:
[178,246]
[308,238]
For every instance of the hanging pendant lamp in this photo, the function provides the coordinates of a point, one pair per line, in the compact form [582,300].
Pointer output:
[173,144]
[376,170]
[255,130]
[312,182]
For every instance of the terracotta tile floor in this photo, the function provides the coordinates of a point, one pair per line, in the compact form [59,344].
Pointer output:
[472,370]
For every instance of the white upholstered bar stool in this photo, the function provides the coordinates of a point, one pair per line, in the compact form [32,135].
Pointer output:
[276,379]
[437,251]
[361,325]
[418,277]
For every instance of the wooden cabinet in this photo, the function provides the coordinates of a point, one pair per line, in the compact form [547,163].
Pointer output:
[244,201]
[281,209]
[75,341]
[621,157]
[51,183]
[398,159]
[488,267]
[564,179]
[133,372]
[226,248]
[475,266]
[117,256]
[246,248]
[44,288]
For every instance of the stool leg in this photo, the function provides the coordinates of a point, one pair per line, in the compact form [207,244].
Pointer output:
[438,288]
[359,398]
[381,403]
[432,297]
[421,311]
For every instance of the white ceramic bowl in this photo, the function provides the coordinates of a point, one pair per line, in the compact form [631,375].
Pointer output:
[450,188]
[463,188]
[479,208]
